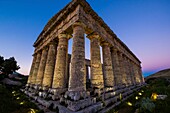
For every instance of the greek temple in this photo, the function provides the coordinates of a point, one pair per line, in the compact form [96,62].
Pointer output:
[69,82]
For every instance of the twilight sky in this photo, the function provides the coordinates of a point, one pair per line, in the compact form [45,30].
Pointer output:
[143,25]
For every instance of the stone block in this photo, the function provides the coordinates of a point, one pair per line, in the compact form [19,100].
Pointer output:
[77,105]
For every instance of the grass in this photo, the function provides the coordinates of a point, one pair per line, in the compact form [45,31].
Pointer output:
[144,103]
[12,100]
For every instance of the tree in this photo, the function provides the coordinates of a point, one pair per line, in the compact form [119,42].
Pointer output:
[1,61]
[10,65]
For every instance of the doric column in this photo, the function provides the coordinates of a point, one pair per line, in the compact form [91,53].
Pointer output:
[116,67]
[127,71]
[32,70]
[140,74]
[132,72]
[137,78]
[60,78]
[37,62]
[131,78]
[122,70]
[77,80]
[107,66]
[41,69]
[143,80]
[96,65]
[50,63]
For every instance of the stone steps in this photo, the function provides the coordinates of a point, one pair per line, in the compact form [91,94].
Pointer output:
[109,99]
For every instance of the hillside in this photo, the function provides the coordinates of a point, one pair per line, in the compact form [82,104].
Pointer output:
[163,74]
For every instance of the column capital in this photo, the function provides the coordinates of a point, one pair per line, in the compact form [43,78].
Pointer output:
[64,35]
[114,49]
[52,43]
[39,52]
[120,53]
[78,24]
[104,43]
[93,35]
[45,48]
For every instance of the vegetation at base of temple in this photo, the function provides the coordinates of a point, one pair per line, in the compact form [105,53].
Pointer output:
[12,100]
[8,66]
[145,101]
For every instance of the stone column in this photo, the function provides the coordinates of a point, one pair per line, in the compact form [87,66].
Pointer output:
[137,78]
[41,69]
[50,63]
[32,70]
[107,66]
[60,78]
[96,65]
[37,62]
[127,71]
[77,80]
[132,73]
[116,67]
[122,70]
[140,74]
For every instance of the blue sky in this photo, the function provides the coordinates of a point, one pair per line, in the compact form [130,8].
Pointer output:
[143,25]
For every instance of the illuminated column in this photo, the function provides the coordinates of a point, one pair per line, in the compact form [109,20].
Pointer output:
[132,73]
[116,67]
[77,80]
[50,63]
[131,77]
[137,78]
[107,66]
[60,77]
[140,74]
[37,62]
[32,70]
[41,69]
[128,78]
[122,70]
[96,65]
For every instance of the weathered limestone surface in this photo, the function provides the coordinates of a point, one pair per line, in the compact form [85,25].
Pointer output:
[50,63]
[96,65]
[116,67]
[122,69]
[131,75]
[60,78]
[132,72]
[140,74]
[129,81]
[107,66]
[137,76]
[77,80]
[32,69]
[33,78]
[41,69]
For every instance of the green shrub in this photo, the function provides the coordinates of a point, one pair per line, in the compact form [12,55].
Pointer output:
[146,105]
